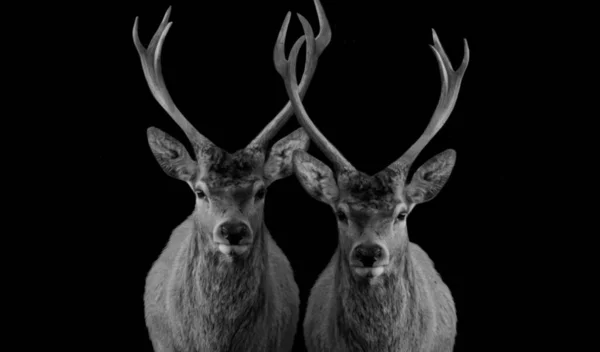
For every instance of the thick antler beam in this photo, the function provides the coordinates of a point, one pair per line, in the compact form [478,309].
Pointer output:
[310,65]
[287,69]
[150,58]
[450,87]
[291,84]
[451,81]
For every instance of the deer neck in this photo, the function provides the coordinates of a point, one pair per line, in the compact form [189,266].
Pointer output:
[217,300]
[383,315]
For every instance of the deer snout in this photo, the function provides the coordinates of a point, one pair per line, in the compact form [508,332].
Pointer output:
[368,255]
[368,260]
[234,233]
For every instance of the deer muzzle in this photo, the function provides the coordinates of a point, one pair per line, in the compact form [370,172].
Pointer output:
[369,259]
[233,236]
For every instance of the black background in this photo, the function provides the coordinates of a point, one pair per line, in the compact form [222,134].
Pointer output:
[372,95]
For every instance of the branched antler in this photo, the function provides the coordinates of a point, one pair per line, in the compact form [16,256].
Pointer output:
[150,58]
[312,55]
[450,87]
[288,72]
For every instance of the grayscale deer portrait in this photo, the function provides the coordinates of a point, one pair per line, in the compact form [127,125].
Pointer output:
[222,283]
[379,292]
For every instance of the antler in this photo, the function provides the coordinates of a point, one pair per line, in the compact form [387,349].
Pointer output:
[150,58]
[319,44]
[450,87]
[287,69]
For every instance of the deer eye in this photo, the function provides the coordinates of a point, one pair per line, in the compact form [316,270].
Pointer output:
[260,194]
[200,194]
[402,215]
[341,216]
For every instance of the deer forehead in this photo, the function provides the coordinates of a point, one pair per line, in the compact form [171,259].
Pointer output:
[239,192]
[231,183]
[228,172]
[370,195]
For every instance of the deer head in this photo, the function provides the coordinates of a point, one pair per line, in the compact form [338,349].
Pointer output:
[372,210]
[230,188]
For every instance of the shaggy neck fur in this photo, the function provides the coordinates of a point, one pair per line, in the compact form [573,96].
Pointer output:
[218,303]
[383,316]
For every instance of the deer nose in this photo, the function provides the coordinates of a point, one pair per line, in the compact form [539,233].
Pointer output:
[234,232]
[368,254]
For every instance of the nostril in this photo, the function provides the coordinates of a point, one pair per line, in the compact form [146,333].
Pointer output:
[368,255]
[234,233]
[234,239]
[367,261]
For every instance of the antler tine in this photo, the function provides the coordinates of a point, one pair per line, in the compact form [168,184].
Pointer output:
[291,84]
[314,50]
[450,87]
[150,58]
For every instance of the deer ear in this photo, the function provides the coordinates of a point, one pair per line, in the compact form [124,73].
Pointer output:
[279,164]
[316,177]
[171,155]
[429,179]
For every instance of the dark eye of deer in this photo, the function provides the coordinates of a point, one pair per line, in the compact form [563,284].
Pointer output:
[402,215]
[200,194]
[341,216]
[260,194]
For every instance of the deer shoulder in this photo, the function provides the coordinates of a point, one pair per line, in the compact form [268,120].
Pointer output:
[437,290]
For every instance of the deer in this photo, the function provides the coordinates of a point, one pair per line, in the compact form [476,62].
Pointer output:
[379,292]
[222,283]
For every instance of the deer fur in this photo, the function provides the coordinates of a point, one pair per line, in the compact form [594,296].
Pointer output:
[199,299]
[207,293]
[380,292]
[196,302]
[408,307]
